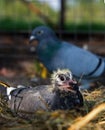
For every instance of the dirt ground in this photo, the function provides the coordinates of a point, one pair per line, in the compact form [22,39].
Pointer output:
[90,117]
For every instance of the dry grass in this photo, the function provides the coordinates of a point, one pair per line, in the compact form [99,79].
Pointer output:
[90,117]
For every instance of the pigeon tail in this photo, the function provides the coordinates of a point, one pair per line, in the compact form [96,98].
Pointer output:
[6,89]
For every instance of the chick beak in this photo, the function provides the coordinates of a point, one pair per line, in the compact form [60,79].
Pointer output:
[70,85]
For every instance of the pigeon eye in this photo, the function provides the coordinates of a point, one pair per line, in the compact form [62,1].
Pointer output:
[62,77]
[40,32]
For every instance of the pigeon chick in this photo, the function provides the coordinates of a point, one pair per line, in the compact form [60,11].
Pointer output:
[63,94]
[54,54]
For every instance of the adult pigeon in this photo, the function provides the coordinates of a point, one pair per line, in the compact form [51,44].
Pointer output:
[54,54]
[63,94]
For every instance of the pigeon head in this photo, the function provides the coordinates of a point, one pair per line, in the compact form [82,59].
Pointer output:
[43,40]
[62,80]
[42,32]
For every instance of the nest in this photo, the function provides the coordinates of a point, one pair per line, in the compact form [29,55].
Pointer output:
[91,116]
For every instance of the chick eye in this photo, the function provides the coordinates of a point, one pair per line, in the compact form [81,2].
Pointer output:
[40,32]
[67,78]
[62,77]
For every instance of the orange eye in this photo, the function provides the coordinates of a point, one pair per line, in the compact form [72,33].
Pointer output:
[40,32]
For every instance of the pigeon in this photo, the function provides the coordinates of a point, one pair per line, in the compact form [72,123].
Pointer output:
[62,94]
[55,53]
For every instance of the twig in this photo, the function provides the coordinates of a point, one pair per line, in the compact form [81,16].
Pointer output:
[83,121]
[37,11]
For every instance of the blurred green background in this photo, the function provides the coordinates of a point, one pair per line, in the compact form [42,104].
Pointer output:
[80,15]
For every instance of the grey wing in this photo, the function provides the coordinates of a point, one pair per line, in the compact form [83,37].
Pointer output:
[28,100]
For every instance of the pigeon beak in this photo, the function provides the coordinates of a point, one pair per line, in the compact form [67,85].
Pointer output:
[32,38]
[33,41]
